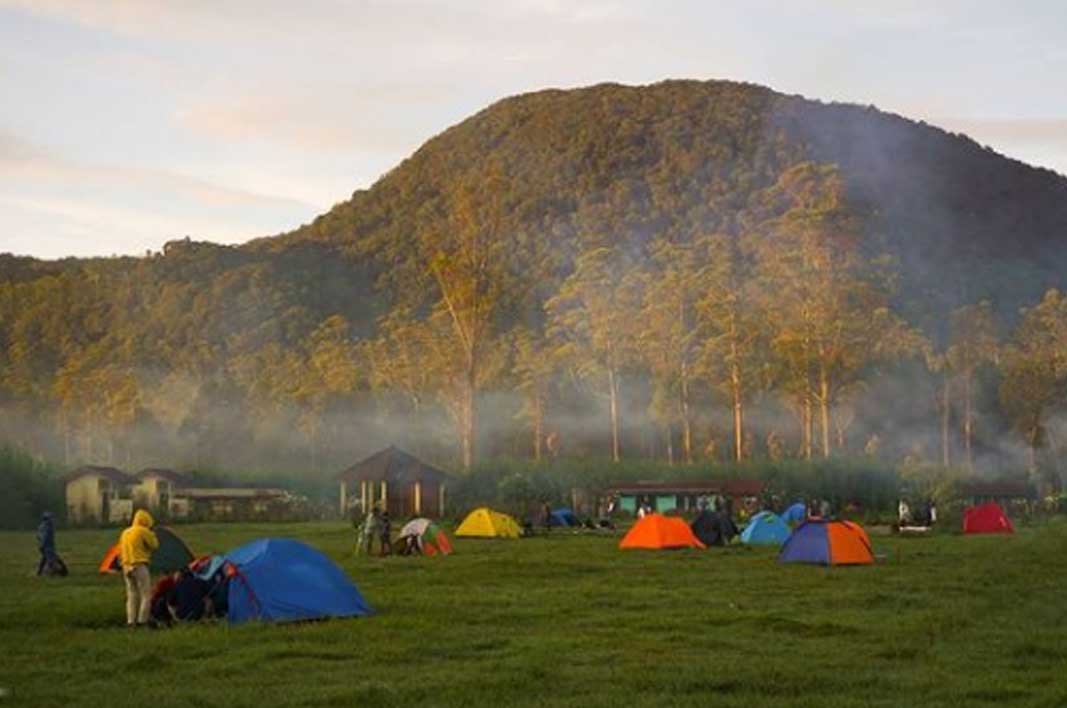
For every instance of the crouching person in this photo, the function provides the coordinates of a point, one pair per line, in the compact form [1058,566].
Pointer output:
[136,545]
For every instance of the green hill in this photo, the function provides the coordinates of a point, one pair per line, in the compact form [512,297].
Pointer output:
[195,355]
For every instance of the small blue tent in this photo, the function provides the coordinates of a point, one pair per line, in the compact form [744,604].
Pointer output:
[795,514]
[281,580]
[562,517]
[765,529]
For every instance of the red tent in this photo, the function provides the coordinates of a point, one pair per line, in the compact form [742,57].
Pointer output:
[986,518]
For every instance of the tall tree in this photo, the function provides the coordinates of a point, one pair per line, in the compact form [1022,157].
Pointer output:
[733,331]
[471,273]
[826,298]
[670,334]
[593,317]
[972,345]
[534,369]
[1034,366]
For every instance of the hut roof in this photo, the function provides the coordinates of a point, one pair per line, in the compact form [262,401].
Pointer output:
[111,473]
[392,465]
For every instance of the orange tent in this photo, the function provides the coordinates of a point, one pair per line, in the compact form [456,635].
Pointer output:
[828,543]
[659,531]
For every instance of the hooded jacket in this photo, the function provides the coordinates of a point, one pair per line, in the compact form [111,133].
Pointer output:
[137,542]
[46,535]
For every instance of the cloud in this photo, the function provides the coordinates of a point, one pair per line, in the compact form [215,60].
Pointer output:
[320,118]
[30,165]
[60,203]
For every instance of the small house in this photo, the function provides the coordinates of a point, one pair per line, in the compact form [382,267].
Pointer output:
[98,495]
[683,495]
[402,483]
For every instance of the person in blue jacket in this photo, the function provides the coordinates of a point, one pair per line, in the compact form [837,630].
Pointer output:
[46,544]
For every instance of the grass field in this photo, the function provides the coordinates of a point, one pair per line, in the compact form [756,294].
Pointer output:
[568,620]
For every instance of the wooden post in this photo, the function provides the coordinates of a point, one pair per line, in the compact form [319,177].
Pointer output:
[418,498]
[385,500]
[344,498]
[441,499]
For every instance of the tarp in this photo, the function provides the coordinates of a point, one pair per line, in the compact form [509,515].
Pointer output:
[486,523]
[765,529]
[431,539]
[282,580]
[986,518]
[562,517]
[171,555]
[659,531]
[828,543]
[795,514]
[713,528]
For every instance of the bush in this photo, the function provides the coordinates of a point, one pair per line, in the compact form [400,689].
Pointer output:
[870,487]
[28,487]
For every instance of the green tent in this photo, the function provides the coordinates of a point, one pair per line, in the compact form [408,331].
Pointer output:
[171,555]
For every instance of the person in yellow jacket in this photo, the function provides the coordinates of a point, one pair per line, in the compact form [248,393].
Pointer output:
[135,552]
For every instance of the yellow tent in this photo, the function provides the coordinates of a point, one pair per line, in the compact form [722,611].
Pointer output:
[486,523]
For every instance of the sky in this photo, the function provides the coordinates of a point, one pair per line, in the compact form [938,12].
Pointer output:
[128,123]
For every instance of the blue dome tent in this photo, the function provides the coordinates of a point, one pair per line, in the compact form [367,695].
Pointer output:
[281,580]
[765,529]
[562,517]
[795,514]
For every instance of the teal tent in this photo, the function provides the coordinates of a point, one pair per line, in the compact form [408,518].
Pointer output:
[765,529]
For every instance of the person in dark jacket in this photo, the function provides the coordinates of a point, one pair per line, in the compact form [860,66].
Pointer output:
[386,532]
[50,564]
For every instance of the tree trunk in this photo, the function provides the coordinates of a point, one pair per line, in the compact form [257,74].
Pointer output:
[539,414]
[805,426]
[687,427]
[739,413]
[946,406]
[968,424]
[467,412]
[1033,448]
[670,444]
[824,410]
[613,386]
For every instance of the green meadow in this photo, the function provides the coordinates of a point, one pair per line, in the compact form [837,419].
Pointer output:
[568,620]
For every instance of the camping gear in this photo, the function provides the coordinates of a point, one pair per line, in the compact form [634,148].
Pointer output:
[483,522]
[429,537]
[282,580]
[795,514]
[563,517]
[986,518]
[713,528]
[828,543]
[658,531]
[765,529]
[171,555]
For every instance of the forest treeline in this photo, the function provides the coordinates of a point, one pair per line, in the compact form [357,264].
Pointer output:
[685,272]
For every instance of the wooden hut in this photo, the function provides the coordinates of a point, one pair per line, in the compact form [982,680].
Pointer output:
[402,483]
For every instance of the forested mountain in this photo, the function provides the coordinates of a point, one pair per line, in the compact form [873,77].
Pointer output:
[700,270]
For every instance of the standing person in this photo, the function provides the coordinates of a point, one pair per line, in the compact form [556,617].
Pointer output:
[368,531]
[46,544]
[546,517]
[136,545]
[903,513]
[386,527]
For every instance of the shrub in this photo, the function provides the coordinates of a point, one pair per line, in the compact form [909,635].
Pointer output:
[28,487]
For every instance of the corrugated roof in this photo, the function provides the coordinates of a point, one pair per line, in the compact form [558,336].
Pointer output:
[733,487]
[392,465]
